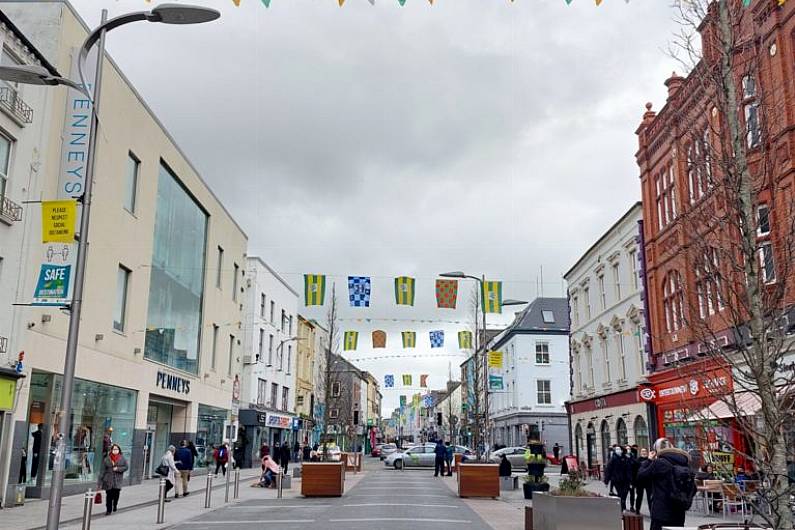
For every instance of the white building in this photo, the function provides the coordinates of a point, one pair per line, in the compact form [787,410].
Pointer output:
[530,405]
[607,343]
[269,372]
[158,352]
[449,406]
[319,378]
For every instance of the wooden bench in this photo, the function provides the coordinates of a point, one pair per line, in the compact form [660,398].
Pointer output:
[322,479]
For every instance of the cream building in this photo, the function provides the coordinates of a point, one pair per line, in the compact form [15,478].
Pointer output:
[160,341]
[607,344]
[304,376]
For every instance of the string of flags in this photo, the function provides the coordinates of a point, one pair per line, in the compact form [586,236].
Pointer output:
[360,292]
[267,3]
[350,340]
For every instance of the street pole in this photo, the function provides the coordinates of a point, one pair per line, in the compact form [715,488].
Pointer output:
[486,382]
[63,418]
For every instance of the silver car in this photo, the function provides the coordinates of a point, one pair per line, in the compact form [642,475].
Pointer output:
[421,455]
[515,456]
[387,449]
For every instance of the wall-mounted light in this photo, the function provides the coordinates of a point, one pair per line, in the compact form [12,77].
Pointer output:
[46,318]
[98,337]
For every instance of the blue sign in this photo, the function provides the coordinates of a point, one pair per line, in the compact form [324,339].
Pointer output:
[53,285]
[296,424]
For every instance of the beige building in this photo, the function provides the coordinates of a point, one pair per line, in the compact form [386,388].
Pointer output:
[304,372]
[159,350]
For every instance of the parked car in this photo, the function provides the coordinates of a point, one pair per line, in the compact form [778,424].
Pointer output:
[334,452]
[376,452]
[421,455]
[386,450]
[515,456]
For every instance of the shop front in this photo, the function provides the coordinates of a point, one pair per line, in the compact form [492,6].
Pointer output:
[689,412]
[598,423]
[279,427]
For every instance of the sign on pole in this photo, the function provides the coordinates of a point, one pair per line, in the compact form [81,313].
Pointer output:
[53,285]
[495,359]
[58,219]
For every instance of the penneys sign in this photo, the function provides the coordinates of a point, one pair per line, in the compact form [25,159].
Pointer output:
[173,382]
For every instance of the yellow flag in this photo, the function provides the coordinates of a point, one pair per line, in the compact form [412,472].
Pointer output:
[58,219]
[495,359]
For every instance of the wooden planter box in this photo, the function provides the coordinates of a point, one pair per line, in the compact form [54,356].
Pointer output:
[568,513]
[479,480]
[322,479]
[456,461]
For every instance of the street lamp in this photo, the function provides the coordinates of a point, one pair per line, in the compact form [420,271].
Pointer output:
[280,352]
[507,302]
[37,75]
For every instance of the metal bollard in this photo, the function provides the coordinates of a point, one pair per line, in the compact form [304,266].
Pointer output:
[88,504]
[147,475]
[226,487]
[279,484]
[237,484]
[208,491]
[161,502]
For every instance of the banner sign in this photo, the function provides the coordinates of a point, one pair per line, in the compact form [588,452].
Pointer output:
[278,421]
[495,382]
[53,285]
[495,359]
[58,220]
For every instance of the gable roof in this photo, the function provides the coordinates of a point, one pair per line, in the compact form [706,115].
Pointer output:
[531,320]
[29,45]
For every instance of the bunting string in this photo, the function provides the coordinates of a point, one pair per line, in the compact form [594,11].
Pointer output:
[401,3]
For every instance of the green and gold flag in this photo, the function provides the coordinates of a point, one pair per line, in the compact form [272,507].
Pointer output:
[416,401]
[314,289]
[491,297]
[351,340]
[409,339]
[406,379]
[465,340]
[404,290]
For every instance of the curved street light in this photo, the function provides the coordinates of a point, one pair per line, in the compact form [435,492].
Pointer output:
[37,75]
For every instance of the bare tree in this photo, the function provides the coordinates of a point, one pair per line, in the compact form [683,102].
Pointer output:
[330,353]
[731,292]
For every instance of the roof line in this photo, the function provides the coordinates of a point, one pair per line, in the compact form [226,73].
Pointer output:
[29,45]
[276,274]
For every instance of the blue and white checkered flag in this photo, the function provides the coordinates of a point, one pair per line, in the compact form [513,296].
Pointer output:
[437,339]
[428,399]
[389,381]
[359,291]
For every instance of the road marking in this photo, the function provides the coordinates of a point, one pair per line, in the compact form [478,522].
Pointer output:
[400,504]
[398,519]
[272,506]
[257,522]
[410,495]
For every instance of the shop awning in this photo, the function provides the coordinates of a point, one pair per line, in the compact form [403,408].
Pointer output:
[746,403]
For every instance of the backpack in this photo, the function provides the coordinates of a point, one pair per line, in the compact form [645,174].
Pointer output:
[683,487]
[222,454]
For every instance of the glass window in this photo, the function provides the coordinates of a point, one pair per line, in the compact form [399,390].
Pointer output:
[542,353]
[262,391]
[548,317]
[215,346]
[177,278]
[641,432]
[336,389]
[616,281]
[131,184]
[209,433]
[101,415]
[621,433]
[261,346]
[5,152]
[220,268]
[602,297]
[574,311]
[605,435]
[231,354]
[289,358]
[285,397]
[273,310]
[767,262]
[270,350]
[234,282]
[262,306]
[633,268]
[274,394]
[586,294]
[120,310]
[544,392]
[762,220]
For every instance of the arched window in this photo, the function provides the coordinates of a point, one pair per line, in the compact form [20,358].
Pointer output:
[621,432]
[578,441]
[605,434]
[673,301]
[641,432]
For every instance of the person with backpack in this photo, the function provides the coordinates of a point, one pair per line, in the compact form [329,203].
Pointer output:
[673,484]
[221,457]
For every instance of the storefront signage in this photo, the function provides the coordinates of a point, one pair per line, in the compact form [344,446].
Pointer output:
[600,403]
[618,399]
[712,383]
[173,383]
[278,421]
[8,388]
[53,285]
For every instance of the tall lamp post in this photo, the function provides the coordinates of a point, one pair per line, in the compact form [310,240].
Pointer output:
[37,75]
[482,345]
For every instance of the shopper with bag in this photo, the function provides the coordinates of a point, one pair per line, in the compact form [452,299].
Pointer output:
[111,476]
[168,470]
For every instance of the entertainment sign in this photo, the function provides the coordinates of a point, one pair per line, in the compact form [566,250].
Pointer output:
[173,383]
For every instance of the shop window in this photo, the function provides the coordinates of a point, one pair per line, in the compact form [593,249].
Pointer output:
[641,433]
[604,431]
[578,441]
[209,433]
[621,433]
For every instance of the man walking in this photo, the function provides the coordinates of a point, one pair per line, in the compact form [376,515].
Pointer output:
[449,458]
[619,474]
[672,484]
[441,455]
[184,462]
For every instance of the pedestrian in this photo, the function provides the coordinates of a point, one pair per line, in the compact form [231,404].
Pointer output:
[34,461]
[111,477]
[221,457]
[314,456]
[441,455]
[284,456]
[449,458]
[307,453]
[640,487]
[618,473]
[632,453]
[556,452]
[269,470]
[672,483]
[184,461]
[610,457]
[168,470]
[193,450]
[296,451]
[505,466]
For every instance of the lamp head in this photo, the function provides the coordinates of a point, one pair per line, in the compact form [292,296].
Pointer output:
[454,274]
[28,74]
[182,14]
[511,301]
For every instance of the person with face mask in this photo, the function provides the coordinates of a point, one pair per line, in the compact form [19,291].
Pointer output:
[640,487]
[619,474]
[110,479]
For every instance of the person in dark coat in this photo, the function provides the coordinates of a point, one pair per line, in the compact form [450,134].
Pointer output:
[448,458]
[657,472]
[34,461]
[296,451]
[639,486]
[183,459]
[556,451]
[111,477]
[441,455]
[619,474]
[307,453]
[505,466]
[284,456]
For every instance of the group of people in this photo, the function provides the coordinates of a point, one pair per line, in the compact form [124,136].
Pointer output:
[443,458]
[621,475]
[176,466]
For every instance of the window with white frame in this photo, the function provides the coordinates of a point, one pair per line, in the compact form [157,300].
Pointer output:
[673,301]
[753,126]
[270,350]
[616,268]
[589,358]
[574,311]
[577,371]
[762,220]
[285,397]
[131,182]
[262,306]
[544,391]
[586,295]
[334,413]
[5,157]
[633,268]
[665,187]
[120,309]
[605,358]
[284,321]
[542,353]
[637,334]
[336,389]
[600,280]
[274,395]
[262,392]
[289,358]
[261,347]
[622,355]
[766,261]
[699,166]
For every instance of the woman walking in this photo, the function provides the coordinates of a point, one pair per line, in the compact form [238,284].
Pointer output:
[110,479]
[167,463]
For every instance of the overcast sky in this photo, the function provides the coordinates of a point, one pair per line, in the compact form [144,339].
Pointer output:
[473,135]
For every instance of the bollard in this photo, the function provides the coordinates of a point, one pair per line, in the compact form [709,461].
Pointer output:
[226,487]
[147,475]
[237,484]
[208,491]
[161,502]
[88,504]
[279,485]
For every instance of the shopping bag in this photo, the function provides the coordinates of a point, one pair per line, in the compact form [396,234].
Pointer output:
[98,498]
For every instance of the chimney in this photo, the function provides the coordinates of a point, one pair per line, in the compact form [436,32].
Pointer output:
[674,83]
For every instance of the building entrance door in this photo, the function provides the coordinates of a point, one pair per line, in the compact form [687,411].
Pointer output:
[149,444]
[159,422]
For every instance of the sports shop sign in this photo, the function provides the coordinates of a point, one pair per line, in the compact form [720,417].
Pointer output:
[710,384]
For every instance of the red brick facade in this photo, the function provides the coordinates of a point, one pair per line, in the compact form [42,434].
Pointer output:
[672,190]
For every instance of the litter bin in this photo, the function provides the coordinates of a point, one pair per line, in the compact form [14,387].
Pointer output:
[19,495]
